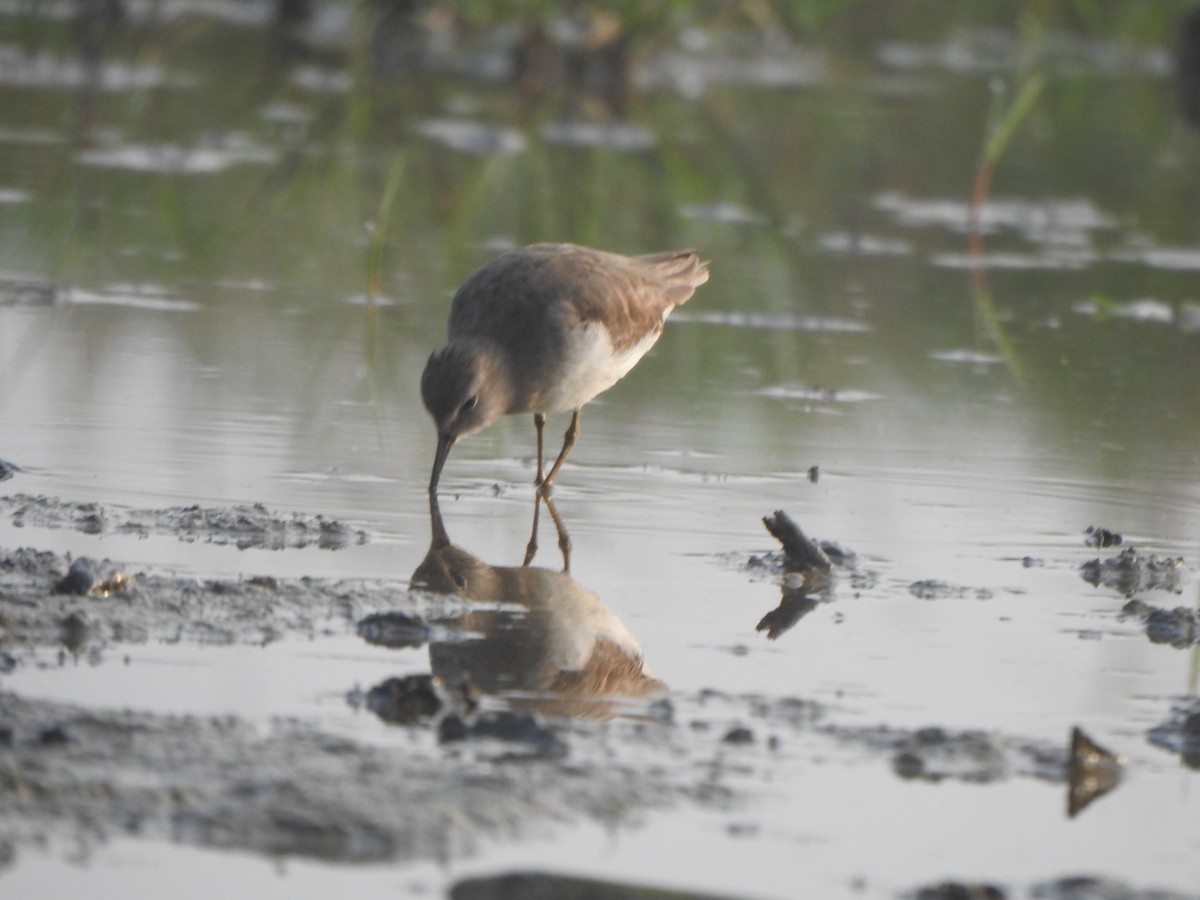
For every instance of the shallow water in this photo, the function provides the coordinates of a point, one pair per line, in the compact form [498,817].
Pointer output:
[220,277]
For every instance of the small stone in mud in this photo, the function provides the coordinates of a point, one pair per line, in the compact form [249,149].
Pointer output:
[1101,537]
[404,701]
[54,736]
[396,630]
[814,474]
[738,735]
[79,578]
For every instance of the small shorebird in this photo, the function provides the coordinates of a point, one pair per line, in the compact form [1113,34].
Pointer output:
[545,329]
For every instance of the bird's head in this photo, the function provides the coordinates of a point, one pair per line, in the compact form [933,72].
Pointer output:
[464,390]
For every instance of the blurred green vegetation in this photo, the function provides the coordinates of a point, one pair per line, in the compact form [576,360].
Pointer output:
[761,130]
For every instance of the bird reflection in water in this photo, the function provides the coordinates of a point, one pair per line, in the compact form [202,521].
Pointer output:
[553,648]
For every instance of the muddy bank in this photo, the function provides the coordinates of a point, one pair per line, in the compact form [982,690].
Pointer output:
[218,782]
[488,757]
[246,527]
[84,605]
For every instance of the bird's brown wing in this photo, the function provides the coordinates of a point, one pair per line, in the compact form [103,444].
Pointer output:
[556,287]
[631,296]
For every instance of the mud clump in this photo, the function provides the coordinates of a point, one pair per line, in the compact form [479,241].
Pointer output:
[50,600]
[291,789]
[404,701]
[78,580]
[1131,572]
[1176,627]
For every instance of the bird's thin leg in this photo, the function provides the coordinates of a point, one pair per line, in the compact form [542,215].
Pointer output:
[539,422]
[532,547]
[564,539]
[569,440]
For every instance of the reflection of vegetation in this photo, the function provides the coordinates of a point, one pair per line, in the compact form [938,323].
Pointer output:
[997,142]
[804,159]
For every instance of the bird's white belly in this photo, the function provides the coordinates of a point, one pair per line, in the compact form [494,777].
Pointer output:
[590,366]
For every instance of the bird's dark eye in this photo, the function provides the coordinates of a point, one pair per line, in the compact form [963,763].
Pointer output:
[470,404]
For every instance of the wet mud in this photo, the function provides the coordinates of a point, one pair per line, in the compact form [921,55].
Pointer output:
[220,783]
[88,606]
[538,709]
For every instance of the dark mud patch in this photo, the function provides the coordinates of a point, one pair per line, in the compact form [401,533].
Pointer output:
[546,886]
[934,754]
[83,605]
[245,527]
[27,292]
[294,791]
[1080,887]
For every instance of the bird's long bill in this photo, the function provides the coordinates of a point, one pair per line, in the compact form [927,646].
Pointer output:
[445,442]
